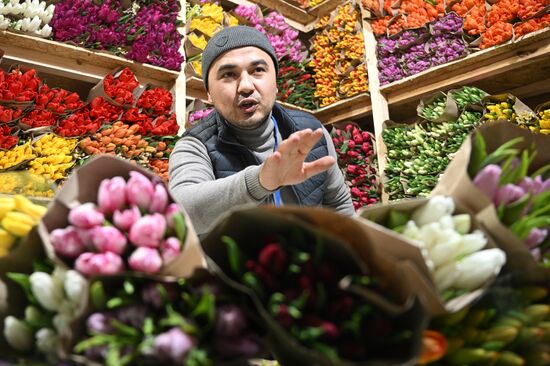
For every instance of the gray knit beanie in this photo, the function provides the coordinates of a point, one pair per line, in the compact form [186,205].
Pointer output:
[231,38]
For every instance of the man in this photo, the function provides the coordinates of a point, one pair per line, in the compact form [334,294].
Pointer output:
[251,150]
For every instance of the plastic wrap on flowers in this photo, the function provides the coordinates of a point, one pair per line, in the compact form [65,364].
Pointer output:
[311,274]
[164,320]
[444,241]
[485,174]
[120,88]
[111,216]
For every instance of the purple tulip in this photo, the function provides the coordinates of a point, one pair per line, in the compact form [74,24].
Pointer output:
[139,190]
[92,264]
[111,195]
[246,346]
[160,199]
[507,194]
[86,216]
[533,186]
[230,321]
[536,237]
[148,231]
[100,323]
[145,260]
[108,239]
[487,180]
[67,242]
[132,315]
[170,249]
[173,345]
[151,294]
[126,218]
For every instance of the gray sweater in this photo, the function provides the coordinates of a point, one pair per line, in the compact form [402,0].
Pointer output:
[205,198]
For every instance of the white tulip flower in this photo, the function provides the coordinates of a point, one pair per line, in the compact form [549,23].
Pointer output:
[445,248]
[62,323]
[48,292]
[462,223]
[447,222]
[433,210]
[475,269]
[45,32]
[445,276]
[18,334]
[472,243]
[47,341]
[76,287]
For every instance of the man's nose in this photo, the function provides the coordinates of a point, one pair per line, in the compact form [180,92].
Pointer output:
[246,84]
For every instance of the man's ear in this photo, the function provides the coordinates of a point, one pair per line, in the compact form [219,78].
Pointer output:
[209,97]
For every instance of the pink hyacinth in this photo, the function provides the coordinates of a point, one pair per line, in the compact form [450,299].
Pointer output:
[145,260]
[86,216]
[67,242]
[126,218]
[111,195]
[108,239]
[139,190]
[93,264]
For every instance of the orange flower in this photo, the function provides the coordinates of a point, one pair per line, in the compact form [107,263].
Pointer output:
[528,8]
[503,11]
[498,33]
[434,346]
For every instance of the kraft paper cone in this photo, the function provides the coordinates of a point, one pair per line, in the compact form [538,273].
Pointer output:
[345,243]
[450,112]
[82,186]
[402,249]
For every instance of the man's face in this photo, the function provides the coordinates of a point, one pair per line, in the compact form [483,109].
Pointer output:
[242,86]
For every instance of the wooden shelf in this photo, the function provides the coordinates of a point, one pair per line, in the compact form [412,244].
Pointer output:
[76,62]
[521,68]
[351,108]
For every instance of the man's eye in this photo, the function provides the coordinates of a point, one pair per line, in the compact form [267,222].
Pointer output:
[259,70]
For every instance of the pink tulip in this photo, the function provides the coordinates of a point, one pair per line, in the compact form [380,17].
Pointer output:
[112,194]
[145,260]
[67,242]
[533,186]
[148,231]
[160,199]
[169,214]
[508,194]
[86,216]
[126,218]
[487,180]
[108,239]
[536,237]
[92,264]
[86,236]
[170,249]
[173,346]
[139,190]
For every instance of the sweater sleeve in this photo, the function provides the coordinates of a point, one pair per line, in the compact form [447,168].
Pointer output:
[193,184]
[337,194]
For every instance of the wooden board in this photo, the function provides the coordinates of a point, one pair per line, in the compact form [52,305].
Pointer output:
[76,62]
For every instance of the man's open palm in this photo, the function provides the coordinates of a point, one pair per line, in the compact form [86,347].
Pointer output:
[286,166]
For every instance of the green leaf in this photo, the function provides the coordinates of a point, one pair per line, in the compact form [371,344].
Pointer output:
[326,350]
[22,279]
[148,326]
[206,307]
[514,211]
[251,281]
[113,356]
[198,357]
[478,154]
[541,171]
[129,287]
[541,201]
[503,152]
[94,341]
[396,219]
[124,329]
[98,296]
[234,254]
[180,227]
[309,334]
[507,171]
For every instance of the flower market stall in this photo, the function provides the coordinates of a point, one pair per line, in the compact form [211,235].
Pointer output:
[439,112]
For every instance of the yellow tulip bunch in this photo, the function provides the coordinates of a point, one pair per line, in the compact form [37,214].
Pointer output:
[15,156]
[55,156]
[18,215]
[25,183]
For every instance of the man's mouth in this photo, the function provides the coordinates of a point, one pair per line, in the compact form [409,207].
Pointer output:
[248,105]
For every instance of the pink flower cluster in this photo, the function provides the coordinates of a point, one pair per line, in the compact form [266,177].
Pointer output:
[132,223]
[283,37]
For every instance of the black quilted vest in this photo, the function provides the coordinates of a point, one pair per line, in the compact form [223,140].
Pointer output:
[228,156]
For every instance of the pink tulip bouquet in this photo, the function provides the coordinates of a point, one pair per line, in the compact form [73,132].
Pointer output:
[522,201]
[132,226]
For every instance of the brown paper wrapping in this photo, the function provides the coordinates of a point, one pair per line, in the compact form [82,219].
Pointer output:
[82,186]
[456,182]
[449,114]
[347,244]
[401,249]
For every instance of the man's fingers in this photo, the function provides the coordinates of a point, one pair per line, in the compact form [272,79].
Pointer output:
[318,166]
[309,140]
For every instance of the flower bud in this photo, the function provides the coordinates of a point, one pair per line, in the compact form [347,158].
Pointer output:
[99,323]
[170,249]
[47,341]
[148,231]
[86,216]
[126,218]
[487,180]
[47,292]
[18,334]
[76,286]
[435,208]
[145,260]
[173,345]
[159,200]
[139,190]
[230,321]
[92,264]
[111,195]
[475,269]
[67,242]
[108,239]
